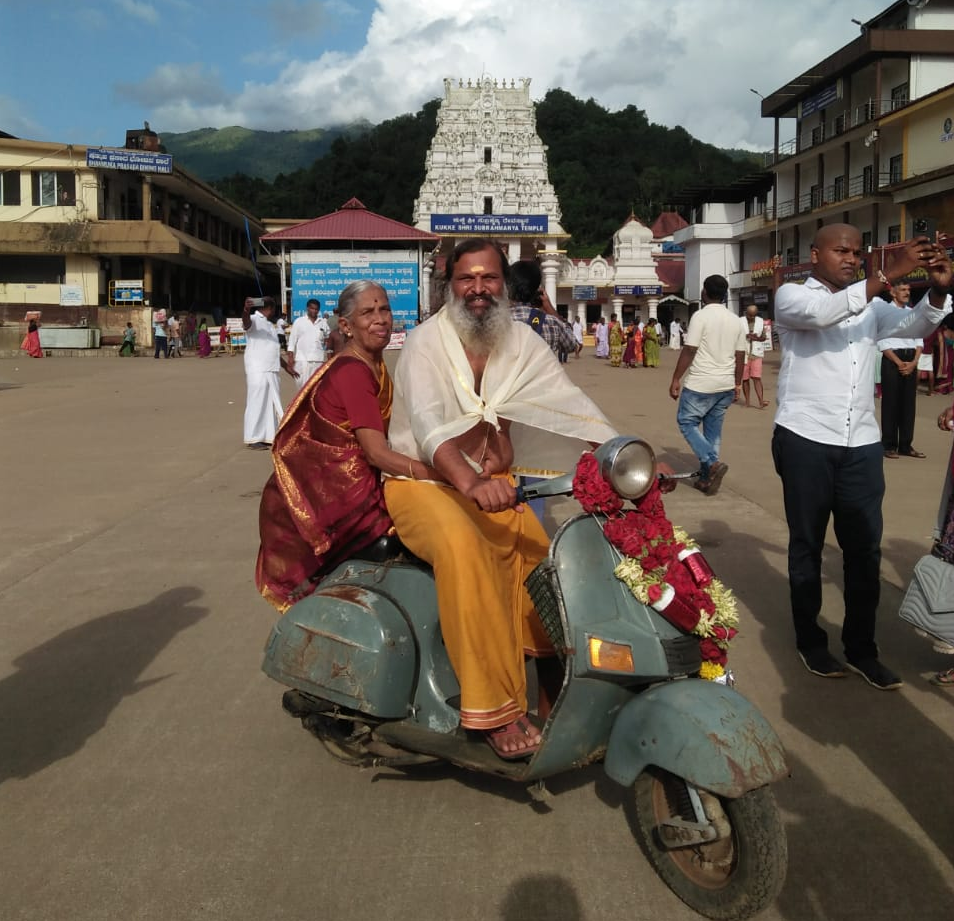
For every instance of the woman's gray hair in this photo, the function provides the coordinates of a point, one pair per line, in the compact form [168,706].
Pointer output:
[348,298]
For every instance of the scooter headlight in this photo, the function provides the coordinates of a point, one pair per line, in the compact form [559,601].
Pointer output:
[629,464]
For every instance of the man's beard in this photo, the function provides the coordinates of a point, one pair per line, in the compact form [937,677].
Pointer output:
[480,333]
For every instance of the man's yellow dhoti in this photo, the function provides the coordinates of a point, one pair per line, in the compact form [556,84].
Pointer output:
[480,561]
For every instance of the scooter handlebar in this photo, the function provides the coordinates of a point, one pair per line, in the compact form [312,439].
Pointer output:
[563,486]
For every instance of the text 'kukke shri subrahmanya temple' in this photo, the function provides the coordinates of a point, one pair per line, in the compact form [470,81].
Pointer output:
[486,175]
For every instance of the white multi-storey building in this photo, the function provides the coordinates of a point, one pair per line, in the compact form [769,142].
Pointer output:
[863,137]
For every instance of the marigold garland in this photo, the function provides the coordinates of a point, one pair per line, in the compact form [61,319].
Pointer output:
[651,548]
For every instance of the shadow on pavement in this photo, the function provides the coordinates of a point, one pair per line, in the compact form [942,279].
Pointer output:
[541,897]
[64,690]
[515,791]
[848,862]
[893,740]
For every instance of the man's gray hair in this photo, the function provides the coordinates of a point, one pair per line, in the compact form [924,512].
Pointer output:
[347,300]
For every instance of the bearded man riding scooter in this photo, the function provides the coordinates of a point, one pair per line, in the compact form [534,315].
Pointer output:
[468,377]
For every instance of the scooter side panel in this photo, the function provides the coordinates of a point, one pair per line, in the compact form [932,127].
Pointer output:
[701,731]
[346,643]
[369,639]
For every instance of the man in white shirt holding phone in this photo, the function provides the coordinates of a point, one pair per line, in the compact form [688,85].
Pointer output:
[826,446]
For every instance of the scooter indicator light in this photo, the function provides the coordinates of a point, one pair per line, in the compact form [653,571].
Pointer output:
[611,657]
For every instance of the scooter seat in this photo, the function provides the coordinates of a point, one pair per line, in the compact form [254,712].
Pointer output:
[386,547]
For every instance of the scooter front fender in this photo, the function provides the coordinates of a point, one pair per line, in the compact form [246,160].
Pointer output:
[700,731]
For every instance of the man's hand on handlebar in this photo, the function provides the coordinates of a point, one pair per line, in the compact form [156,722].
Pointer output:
[665,472]
[493,495]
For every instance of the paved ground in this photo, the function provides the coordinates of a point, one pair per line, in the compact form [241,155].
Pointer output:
[147,771]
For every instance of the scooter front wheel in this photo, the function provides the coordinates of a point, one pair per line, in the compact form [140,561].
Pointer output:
[729,879]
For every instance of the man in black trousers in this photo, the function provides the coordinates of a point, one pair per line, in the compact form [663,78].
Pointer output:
[826,446]
[899,385]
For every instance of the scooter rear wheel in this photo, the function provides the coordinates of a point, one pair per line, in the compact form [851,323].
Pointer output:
[730,879]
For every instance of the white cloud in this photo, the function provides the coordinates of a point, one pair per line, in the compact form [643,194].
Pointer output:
[140,10]
[688,62]
[175,85]
[14,122]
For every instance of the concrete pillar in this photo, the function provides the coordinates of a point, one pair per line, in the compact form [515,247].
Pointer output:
[427,270]
[581,312]
[550,266]
[617,308]
[652,304]
[146,198]
[147,281]
[733,302]
[513,252]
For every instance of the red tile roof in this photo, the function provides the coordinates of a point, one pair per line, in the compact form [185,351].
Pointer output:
[667,224]
[352,221]
[672,274]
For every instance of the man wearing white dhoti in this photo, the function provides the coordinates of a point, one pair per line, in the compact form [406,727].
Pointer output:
[306,342]
[675,335]
[602,338]
[263,361]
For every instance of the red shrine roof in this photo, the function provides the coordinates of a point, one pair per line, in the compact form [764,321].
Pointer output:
[672,274]
[352,221]
[667,224]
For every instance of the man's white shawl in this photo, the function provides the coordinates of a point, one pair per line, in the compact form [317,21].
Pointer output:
[523,382]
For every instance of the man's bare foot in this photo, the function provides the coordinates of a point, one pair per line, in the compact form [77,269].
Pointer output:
[519,739]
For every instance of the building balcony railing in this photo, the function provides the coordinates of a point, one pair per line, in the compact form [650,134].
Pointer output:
[866,111]
[821,197]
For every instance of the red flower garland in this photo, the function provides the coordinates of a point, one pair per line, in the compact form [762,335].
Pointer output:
[645,534]
[591,489]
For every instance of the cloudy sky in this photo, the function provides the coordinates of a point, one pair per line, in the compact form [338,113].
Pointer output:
[85,72]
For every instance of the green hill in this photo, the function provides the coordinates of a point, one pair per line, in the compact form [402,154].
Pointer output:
[212,153]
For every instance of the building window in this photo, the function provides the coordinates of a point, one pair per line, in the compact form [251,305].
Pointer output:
[866,240]
[488,204]
[838,190]
[33,270]
[10,187]
[818,196]
[894,233]
[894,169]
[488,154]
[818,135]
[867,180]
[899,96]
[53,188]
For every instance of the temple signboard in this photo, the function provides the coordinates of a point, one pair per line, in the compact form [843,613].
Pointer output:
[483,224]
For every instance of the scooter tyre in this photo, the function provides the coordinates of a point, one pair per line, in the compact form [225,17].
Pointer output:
[727,880]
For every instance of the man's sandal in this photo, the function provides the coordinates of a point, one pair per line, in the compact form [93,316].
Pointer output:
[520,729]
